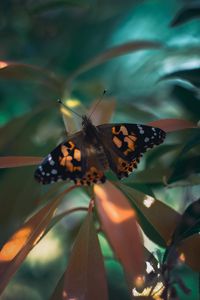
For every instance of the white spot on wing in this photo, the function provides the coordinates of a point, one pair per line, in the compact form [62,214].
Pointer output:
[52,162]
[146,139]
[54,171]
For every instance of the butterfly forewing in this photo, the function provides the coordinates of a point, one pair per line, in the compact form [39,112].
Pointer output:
[125,144]
[85,156]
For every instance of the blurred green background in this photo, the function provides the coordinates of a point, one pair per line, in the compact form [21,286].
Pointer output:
[61,36]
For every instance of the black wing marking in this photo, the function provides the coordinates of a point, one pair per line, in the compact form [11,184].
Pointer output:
[66,161]
[125,144]
[75,160]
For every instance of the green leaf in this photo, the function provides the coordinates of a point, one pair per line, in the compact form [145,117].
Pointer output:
[85,275]
[187,13]
[191,75]
[189,223]
[184,168]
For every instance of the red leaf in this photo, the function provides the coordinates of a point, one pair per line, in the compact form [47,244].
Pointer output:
[21,71]
[170,125]
[114,52]
[84,278]
[23,240]
[19,161]
[118,221]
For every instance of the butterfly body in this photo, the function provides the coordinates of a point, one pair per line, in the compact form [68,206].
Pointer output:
[86,155]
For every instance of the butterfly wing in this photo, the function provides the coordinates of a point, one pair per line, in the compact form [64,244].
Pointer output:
[74,160]
[125,144]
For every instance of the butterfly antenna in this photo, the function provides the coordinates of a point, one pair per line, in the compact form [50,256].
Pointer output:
[104,92]
[60,102]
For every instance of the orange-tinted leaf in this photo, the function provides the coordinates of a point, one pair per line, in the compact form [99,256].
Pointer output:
[20,244]
[190,248]
[118,221]
[162,217]
[20,71]
[85,275]
[102,113]
[170,125]
[19,161]
[115,52]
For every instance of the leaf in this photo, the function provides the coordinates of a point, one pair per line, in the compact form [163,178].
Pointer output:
[19,161]
[115,52]
[156,218]
[53,5]
[23,240]
[170,125]
[188,99]
[102,112]
[190,248]
[21,71]
[187,13]
[85,277]
[190,75]
[189,222]
[184,168]
[118,221]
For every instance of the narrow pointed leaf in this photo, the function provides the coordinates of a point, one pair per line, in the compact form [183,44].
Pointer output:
[115,52]
[170,125]
[19,161]
[162,218]
[118,221]
[187,13]
[189,222]
[21,71]
[84,278]
[23,240]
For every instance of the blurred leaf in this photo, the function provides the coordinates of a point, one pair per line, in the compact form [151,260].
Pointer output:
[85,276]
[156,218]
[187,13]
[189,222]
[21,71]
[156,153]
[190,248]
[193,141]
[19,161]
[114,52]
[190,75]
[44,7]
[20,244]
[169,125]
[186,167]
[102,111]
[118,221]
[153,175]
[188,99]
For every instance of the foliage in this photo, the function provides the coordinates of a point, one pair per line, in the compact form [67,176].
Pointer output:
[133,239]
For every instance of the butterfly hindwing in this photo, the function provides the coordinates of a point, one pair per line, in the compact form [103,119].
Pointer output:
[126,143]
[74,160]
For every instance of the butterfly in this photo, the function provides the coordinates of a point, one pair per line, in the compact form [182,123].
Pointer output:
[87,154]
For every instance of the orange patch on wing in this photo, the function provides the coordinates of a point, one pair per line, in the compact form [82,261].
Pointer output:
[117,141]
[114,131]
[124,130]
[64,150]
[77,154]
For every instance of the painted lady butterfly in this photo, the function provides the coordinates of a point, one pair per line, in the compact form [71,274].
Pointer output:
[87,154]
